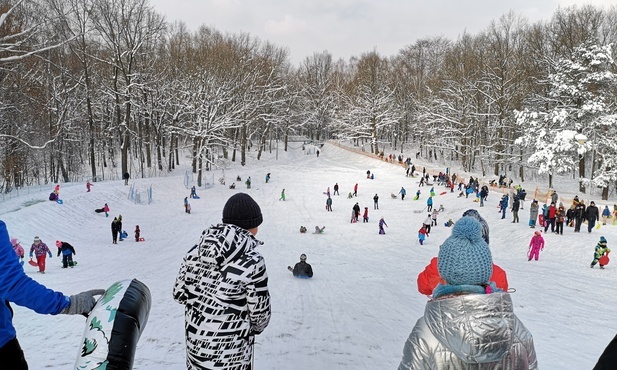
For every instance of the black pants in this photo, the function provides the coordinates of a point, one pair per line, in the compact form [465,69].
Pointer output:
[67,260]
[559,228]
[12,356]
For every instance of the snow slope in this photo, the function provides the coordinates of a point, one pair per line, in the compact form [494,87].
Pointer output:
[357,311]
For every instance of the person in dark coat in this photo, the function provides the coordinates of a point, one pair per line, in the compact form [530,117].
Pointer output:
[579,216]
[356,209]
[120,227]
[67,252]
[515,206]
[336,189]
[608,359]
[592,215]
[302,269]
[114,230]
[126,177]
[376,202]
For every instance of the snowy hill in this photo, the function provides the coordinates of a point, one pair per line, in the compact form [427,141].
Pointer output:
[357,311]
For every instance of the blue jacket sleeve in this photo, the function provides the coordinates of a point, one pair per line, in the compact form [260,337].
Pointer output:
[19,288]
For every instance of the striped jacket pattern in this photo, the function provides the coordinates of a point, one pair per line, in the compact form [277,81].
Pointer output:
[223,285]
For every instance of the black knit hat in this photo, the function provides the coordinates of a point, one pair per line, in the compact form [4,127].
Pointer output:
[241,210]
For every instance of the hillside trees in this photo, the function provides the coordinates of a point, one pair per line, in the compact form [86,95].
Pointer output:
[581,92]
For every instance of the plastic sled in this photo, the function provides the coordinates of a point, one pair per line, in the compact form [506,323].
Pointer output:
[142,239]
[59,201]
[124,235]
[443,193]
[598,225]
[196,197]
[33,263]
[604,260]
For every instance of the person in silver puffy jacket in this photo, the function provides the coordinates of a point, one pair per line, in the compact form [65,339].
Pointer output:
[469,323]
[223,285]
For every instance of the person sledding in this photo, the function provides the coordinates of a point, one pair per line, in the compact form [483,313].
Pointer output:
[318,230]
[302,269]
[67,251]
[600,252]
[193,194]
[104,209]
[417,195]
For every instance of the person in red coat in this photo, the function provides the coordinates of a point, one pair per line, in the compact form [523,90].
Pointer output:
[429,278]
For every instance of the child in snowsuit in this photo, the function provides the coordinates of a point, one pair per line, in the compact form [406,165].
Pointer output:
[319,230]
[137,232]
[434,217]
[282,195]
[193,192]
[67,252]
[536,245]
[186,203]
[429,204]
[88,185]
[19,250]
[188,208]
[422,234]
[365,215]
[382,223]
[40,251]
[600,251]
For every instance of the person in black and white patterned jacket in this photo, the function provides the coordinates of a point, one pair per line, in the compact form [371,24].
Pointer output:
[223,285]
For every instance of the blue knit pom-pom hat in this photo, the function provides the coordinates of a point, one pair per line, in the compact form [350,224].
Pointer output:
[465,258]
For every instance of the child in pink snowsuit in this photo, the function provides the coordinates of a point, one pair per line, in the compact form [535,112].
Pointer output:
[536,245]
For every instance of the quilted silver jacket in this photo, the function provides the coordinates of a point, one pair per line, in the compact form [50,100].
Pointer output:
[223,285]
[474,331]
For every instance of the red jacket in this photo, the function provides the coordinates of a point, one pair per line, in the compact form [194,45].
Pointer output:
[552,211]
[429,278]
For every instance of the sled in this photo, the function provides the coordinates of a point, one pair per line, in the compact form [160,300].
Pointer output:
[59,201]
[443,193]
[196,197]
[99,210]
[541,219]
[598,225]
[113,327]
[142,240]
[419,211]
[604,260]
[33,263]
[74,263]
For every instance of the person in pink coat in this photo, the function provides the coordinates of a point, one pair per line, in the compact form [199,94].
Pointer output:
[536,245]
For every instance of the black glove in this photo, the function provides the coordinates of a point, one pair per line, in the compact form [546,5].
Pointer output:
[82,303]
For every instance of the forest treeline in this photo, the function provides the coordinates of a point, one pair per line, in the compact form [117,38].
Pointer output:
[93,84]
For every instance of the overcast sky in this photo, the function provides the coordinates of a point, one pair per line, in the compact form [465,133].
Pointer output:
[351,27]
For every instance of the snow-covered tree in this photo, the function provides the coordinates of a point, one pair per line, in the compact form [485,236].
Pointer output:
[579,101]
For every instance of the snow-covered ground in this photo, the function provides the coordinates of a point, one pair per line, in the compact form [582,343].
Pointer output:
[357,311]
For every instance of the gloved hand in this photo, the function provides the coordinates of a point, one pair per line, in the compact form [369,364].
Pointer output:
[50,254]
[21,261]
[30,254]
[82,303]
